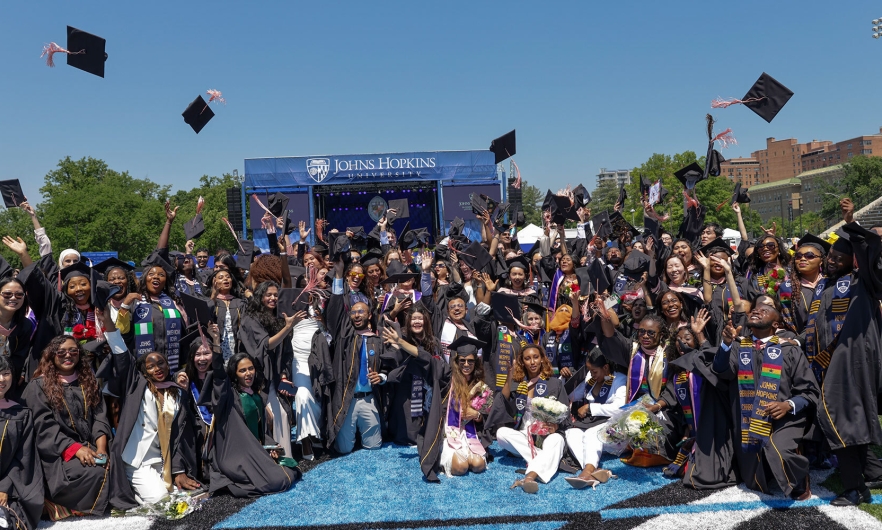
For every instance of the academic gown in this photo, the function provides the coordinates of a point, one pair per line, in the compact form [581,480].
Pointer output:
[219,309]
[71,484]
[124,380]
[788,469]
[47,304]
[346,362]
[255,340]
[848,412]
[490,332]
[504,412]
[22,475]
[404,428]
[712,458]
[238,460]
[431,438]
[321,373]
[19,355]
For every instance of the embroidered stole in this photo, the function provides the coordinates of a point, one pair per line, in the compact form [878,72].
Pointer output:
[646,375]
[504,355]
[835,318]
[455,426]
[559,350]
[521,396]
[756,429]
[145,340]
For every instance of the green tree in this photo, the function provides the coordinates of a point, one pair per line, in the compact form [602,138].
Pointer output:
[808,222]
[604,197]
[15,223]
[862,181]
[531,201]
[214,191]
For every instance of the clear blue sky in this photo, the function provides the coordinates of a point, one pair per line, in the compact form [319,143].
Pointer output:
[586,84]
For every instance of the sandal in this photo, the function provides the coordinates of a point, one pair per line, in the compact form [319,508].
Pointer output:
[581,483]
[529,486]
[603,475]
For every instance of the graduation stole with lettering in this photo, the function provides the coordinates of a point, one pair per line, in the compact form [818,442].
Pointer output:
[504,355]
[835,319]
[521,392]
[145,341]
[559,350]
[756,429]
[647,375]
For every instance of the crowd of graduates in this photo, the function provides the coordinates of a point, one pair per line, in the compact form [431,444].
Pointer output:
[121,384]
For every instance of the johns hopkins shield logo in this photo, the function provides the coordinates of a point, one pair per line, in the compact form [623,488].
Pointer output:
[774,352]
[842,285]
[681,392]
[541,388]
[745,358]
[318,168]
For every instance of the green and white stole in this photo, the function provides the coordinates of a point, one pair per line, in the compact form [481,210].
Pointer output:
[145,341]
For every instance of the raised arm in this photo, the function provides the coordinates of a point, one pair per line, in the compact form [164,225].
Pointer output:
[170,215]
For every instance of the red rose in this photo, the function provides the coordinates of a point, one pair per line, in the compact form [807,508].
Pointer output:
[91,334]
[774,274]
[79,331]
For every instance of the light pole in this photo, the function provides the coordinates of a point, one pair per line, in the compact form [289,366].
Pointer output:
[632,216]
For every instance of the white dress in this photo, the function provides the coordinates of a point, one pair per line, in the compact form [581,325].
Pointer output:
[307,410]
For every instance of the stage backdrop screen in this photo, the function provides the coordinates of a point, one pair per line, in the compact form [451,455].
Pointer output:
[298,208]
[457,203]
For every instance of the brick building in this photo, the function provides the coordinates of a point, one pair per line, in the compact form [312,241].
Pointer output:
[774,199]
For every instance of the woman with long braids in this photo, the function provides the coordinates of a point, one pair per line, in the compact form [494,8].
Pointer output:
[266,338]
[768,272]
[811,251]
[21,475]
[82,476]
[227,306]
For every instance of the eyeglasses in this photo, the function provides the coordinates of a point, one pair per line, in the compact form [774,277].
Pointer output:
[440,266]
[69,351]
[465,361]
[455,306]
[769,246]
[806,255]
[648,332]
[356,312]
[356,275]
[9,294]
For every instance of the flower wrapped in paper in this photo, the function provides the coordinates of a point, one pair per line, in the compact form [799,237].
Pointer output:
[546,412]
[636,426]
[174,506]
[481,398]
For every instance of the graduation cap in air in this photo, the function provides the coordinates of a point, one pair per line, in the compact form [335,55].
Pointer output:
[645,184]
[717,245]
[740,196]
[197,114]
[623,196]
[414,238]
[621,226]
[765,98]
[560,207]
[690,175]
[690,228]
[516,216]
[599,275]
[398,273]
[581,195]
[491,204]
[651,227]
[465,345]
[456,227]
[506,307]
[713,159]
[602,226]
[112,263]
[475,256]
[636,263]
[291,301]
[479,205]
[339,244]
[12,193]
[402,211]
[499,213]
[504,146]
[195,227]
[84,51]
[196,308]
[245,255]
[277,204]
[534,303]
[815,241]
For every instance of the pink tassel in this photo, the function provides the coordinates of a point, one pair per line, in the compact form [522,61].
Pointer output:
[267,210]
[720,103]
[216,96]
[725,138]
[51,49]
[233,231]
[200,204]
[311,283]
[517,182]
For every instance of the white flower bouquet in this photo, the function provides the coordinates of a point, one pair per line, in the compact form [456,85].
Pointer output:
[635,426]
[549,410]
[173,506]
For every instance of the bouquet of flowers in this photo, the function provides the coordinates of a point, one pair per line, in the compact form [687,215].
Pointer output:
[568,290]
[635,426]
[481,397]
[773,285]
[174,506]
[546,412]
[84,333]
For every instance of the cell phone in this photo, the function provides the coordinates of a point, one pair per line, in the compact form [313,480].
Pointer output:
[277,448]
[101,460]
[394,325]
[288,387]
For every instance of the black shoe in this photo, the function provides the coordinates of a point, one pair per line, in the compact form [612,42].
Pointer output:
[848,498]
[874,484]
[867,496]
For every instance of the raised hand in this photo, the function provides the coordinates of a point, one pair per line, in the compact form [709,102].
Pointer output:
[700,320]
[292,320]
[770,231]
[28,208]
[189,246]
[702,260]
[389,335]
[426,261]
[170,213]
[304,232]
[722,263]
[736,208]
[730,333]
[847,207]
[16,245]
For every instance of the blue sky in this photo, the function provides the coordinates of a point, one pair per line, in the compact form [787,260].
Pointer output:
[586,84]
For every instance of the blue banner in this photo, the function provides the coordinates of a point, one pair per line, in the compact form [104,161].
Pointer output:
[98,257]
[445,166]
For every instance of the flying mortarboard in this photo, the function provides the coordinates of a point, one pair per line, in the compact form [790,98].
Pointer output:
[602,226]
[359,237]
[278,204]
[504,146]
[636,263]
[12,193]
[475,256]
[456,227]
[339,244]
[645,184]
[197,114]
[561,208]
[491,204]
[690,175]
[623,196]
[401,209]
[517,216]
[506,307]
[621,226]
[479,205]
[599,275]
[581,195]
[690,228]
[84,51]
[245,254]
[195,227]
[766,98]
[739,195]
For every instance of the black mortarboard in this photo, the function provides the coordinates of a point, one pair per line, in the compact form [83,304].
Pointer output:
[843,244]
[815,241]
[359,237]
[499,214]
[278,204]
[491,204]
[371,256]
[535,304]
[465,344]
[456,290]
[421,236]
[532,250]
[296,271]
[5,268]
[401,277]
[102,291]
[456,227]
[767,97]
[690,228]
[504,146]
[602,226]
[321,247]
[197,114]
[717,245]
[690,175]
[636,263]
[516,216]
[157,260]
[339,244]
[740,195]
[712,162]
[245,254]
[502,304]
[599,275]
[195,227]
[286,303]
[621,226]
[581,195]
[560,207]
[623,196]
[111,263]
[522,261]
[86,51]
[475,256]
[651,226]
[401,209]
[95,346]
[12,193]
[576,379]
[188,340]
[442,253]
[196,308]
[479,205]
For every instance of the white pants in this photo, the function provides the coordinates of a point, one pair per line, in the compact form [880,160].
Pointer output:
[587,447]
[547,459]
[307,410]
[147,482]
[281,425]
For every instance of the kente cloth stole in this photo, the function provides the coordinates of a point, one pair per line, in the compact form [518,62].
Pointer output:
[643,375]
[835,319]
[505,355]
[145,341]
[455,426]
[755,428]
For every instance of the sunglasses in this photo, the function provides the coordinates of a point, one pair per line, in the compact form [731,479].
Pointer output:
[648,332]
[9,294]
[69,351]
[440,266]
[769,246]
[806,255]
[465,361]
[356,275]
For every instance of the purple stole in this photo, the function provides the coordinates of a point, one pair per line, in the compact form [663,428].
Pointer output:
[454,419]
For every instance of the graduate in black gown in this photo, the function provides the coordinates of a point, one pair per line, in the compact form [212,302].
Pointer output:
[227,307]
[71,419]
[773,397]
[844,347]
[21,485]
[239,461]
[15,328]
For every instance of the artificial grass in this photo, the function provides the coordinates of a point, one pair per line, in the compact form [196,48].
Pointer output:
[834,484]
